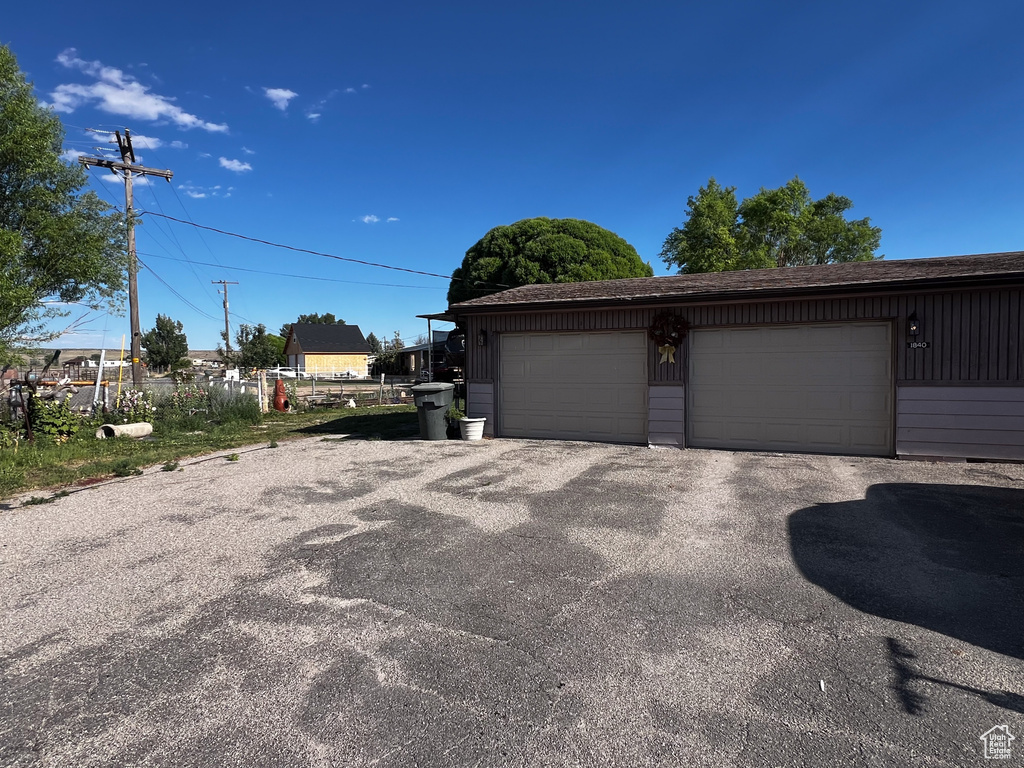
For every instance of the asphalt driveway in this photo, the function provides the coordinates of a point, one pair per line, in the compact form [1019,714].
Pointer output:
[356,603]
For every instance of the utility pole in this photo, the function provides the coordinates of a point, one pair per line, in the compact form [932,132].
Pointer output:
[227,325]
[127,167]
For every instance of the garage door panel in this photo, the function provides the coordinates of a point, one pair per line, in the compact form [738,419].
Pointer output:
[869,402]
[540,343]
[513,343]
[575,386]
[824,388]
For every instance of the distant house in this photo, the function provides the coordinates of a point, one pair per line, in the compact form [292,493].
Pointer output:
[316,348]
[415,357]
[205,358]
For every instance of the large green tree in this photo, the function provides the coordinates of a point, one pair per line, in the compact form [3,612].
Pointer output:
[59,245]
[278,343]
[254,347]
[166,344]
[543,250]
[325,319]
[782,227]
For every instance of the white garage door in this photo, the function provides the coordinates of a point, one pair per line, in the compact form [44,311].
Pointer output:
[812,388]
[575,386]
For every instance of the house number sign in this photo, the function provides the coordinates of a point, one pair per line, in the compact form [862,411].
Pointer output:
[917,345]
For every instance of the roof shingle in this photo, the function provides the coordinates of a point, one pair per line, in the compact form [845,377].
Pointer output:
[319,337]
[762,282]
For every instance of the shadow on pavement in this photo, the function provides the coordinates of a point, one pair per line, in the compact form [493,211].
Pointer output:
[905,677]
[949,558]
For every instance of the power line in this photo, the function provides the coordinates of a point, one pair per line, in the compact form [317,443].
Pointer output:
[299,277]
[174,237]
[171,289]
[320,253]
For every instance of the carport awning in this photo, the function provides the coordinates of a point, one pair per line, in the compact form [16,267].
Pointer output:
[444,317]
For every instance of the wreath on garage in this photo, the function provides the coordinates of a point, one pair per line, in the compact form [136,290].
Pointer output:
[667,331]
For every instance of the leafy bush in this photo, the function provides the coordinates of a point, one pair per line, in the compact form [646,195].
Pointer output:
[10,437]
[52,419]
[186,408]
[134,405]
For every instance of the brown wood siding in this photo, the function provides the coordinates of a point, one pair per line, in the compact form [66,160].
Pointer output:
[973,336]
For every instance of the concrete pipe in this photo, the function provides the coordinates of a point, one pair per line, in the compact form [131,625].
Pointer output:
[139,429]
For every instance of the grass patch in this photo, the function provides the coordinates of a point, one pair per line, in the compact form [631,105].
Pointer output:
[232,457]
[36,500]
[125,468]
[48,464]
[170,466]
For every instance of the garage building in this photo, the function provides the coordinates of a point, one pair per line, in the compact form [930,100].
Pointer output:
[915,358]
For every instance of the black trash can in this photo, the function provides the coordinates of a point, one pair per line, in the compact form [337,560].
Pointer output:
[432,403]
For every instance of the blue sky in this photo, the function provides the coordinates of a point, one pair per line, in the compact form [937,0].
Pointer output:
[400,133]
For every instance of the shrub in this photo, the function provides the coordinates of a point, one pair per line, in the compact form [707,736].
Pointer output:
[52,419]
[134,405]
[186,408]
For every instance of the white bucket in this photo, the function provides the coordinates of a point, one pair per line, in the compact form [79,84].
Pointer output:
[472,429]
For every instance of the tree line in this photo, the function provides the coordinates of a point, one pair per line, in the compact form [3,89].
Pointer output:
[783,227]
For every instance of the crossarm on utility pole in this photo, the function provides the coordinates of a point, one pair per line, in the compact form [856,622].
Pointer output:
[115,165]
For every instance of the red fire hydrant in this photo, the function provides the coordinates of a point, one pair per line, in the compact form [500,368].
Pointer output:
[280,396]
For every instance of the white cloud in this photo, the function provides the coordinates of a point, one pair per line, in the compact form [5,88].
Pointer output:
[392,218]
[115,178]
[350,90]
[145,142]
[72,155]
[178,145]
[119,93]
[249,151]
[365,85]
[205,154]
[197,192]
[235,165]
[370,219]
[279,97]
[315,111]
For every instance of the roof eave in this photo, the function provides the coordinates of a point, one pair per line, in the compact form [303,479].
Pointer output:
[750,294]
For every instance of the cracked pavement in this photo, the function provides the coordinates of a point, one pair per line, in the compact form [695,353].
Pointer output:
[515,603]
